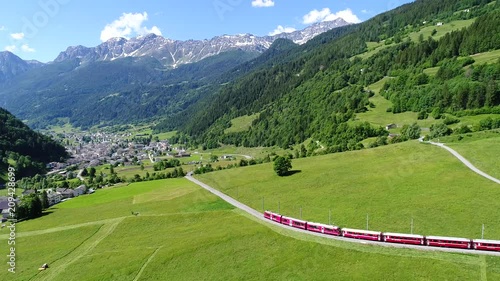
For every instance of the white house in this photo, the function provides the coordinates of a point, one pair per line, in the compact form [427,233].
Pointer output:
[80,190]
[54,198]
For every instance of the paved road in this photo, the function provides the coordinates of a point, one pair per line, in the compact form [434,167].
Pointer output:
[465,161]
[260,216]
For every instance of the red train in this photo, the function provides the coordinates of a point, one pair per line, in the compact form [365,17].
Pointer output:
[401,238]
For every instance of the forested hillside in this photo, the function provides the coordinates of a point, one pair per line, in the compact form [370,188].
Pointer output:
[122,91]
[29,150]
[315,89]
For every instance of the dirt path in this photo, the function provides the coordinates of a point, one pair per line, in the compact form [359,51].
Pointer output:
[465,161]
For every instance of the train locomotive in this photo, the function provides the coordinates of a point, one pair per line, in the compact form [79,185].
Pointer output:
[387,237]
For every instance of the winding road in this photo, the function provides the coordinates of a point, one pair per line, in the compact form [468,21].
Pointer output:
[260,216]
[463,160]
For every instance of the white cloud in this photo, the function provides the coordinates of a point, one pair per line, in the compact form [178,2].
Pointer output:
[280,29]
[262,3]
[366,11]
[27,49]
[11,48]
[315,16]
[128,25]
[17,36]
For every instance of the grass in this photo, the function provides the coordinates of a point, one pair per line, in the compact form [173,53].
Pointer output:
[254,152]
[241,124]
[379,116]
[432,71]
[487,57]
[391,184]
[481,58]
[166,136]
[374,47]
[481,149]
[441,30]
[184,233]
[4,192]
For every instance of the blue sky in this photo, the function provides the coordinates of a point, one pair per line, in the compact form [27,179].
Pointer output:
[40,29]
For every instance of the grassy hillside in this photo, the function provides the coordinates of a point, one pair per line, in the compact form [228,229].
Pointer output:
[241,124]
[391,184]
[188,234]
[378,116]
[481,149]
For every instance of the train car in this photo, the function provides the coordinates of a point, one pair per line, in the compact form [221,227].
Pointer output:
[276,217]
[323,228]
[294,222]
[268,215]
[362,234]
[487,245]
[448,242]
[403,238]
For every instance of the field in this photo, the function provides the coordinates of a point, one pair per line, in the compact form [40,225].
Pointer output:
[481,149]
[379,116]
[391,185]
[241,124]
[441,30]
[488,57]
[374,47]
[185,233]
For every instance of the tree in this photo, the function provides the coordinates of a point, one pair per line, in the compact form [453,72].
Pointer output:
[440,130]
[92,172]
[303,151]
[111,169]
[411,132]
[85,172]
[282,165]
[45,200]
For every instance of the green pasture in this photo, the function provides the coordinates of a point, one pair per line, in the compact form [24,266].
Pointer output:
[391,185]
[165,136]
[441,30]
[482,149]
[182,232]
[241,124]
[487,57]
[379,116]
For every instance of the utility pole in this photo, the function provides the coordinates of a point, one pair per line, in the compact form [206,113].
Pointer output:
[366,221]
[300,212]
[482,232]
[330,216]
[411,226]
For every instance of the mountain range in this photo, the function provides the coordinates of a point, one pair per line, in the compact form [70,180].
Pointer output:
[139,69]
[172,53]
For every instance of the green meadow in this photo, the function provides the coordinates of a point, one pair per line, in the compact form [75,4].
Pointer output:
[378,116]
[390,185]
[241,124]
[482,149]
[426,32]
[182,232]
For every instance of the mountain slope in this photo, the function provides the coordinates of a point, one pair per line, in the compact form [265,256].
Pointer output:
[120,91]
[11,65]
[315,93]
[30,150]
